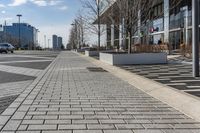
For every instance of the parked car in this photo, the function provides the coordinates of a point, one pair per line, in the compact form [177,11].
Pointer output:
[6,47]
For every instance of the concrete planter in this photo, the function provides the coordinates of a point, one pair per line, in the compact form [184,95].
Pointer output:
[96,53]
[135,58]
[91,53]
[80,50]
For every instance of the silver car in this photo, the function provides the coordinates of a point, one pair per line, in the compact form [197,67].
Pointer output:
[6,47]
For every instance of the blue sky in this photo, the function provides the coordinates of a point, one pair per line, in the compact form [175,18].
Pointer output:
[49,16]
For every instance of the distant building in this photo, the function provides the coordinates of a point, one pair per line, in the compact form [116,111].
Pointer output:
[55,41]
[28,35]
[60,43]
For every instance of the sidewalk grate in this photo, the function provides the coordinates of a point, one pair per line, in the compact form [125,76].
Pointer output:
[96,69]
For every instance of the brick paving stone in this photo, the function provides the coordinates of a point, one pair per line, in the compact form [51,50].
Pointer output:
[42,127]
[72,127]
[9,111]
[18,115]
[4,119]
[57,121]
[69,98]
[118,131]
[129,126]
[85,122]
[147,131]
[28,132]
[22,127]
[12,125]
[100,126]
[31,122]
[182,131]
[66,131]
[87,131]
[157,126]
[112,121]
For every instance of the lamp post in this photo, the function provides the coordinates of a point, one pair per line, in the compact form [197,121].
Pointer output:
[5,39]
[44,42]
[19,42]
[48,43]
[195,37]
[37,32]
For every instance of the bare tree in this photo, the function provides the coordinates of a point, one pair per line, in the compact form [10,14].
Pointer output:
[92,18]
[72,38]
[81,29]
[134,15]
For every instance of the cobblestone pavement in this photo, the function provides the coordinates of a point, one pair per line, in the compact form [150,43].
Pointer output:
[13,88]
[74,96]
[177,73]
[6,101]
[17,71]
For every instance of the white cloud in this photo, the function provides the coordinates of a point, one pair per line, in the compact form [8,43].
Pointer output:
[36,2]
[40,2]
[8,19]
[3,12]
[46,2]
[53,2]
[18,2]
[63,8]
[2,5]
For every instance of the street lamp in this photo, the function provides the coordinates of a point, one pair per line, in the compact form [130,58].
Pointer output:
[19,16]
[37,32]
[195,37]
[48,43]
[45,42]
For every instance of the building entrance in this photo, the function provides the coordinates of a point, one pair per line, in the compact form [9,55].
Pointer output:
[175,39]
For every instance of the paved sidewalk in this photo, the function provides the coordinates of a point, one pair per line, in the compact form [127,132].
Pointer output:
[73,96]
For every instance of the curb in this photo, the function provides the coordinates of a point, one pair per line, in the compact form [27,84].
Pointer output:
[183,102]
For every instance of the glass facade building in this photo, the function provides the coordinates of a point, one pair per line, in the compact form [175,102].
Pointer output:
[168,21]
[57,42]
[28,34]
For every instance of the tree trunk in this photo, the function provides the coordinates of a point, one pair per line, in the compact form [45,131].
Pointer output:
[99,24]
[129,42]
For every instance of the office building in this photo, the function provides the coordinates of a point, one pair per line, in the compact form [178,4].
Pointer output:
[28,35]
[166,21]
[55,41]
[60,43]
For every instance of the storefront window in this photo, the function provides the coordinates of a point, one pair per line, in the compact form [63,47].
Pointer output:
[179,13]
[158,24]
[175,39]
[157,38]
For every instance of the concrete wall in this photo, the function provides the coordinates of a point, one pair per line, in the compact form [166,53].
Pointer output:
[137,58]
[91,53]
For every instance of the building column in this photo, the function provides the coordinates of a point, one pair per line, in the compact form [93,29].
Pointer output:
[166,21]
[120,36]
[112,34]
[139,27]
[108,33]
[186,26]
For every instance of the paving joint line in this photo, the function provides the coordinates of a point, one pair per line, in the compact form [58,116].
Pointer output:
[175,100]
[31,87]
